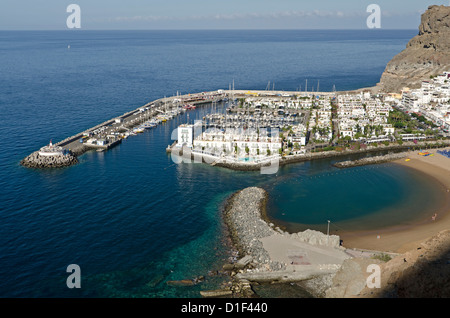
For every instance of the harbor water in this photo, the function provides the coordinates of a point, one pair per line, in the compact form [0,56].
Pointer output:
[131,218]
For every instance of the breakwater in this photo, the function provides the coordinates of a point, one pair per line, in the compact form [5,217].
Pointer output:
[370,160]
[258,263]
[36,160]
[244,220]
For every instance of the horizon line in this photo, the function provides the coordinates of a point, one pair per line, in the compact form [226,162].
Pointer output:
[243,29]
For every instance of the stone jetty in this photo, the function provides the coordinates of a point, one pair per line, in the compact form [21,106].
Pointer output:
[371,160]
[36,160]
[246,226]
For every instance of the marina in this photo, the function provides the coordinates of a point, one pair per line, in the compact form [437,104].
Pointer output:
[262,129]
[258,129]
[264,110]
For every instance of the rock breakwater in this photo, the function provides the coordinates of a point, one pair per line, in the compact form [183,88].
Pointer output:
[370,160]
[250,232]
[244,220]
[35,160]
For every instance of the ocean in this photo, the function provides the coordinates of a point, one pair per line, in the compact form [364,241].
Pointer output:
[130,217]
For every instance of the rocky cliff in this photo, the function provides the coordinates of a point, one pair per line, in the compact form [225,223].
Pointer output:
[426,54]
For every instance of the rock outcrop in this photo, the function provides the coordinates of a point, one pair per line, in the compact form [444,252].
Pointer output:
[423,272]
[351,278]
[427,54]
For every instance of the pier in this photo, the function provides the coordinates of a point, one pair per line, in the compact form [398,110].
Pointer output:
[110,133]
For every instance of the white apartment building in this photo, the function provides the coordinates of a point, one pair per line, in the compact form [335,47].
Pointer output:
[225,142]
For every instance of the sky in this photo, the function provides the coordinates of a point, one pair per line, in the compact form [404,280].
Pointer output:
[210,14]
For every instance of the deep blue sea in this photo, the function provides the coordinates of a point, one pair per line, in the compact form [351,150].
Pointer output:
[131,218]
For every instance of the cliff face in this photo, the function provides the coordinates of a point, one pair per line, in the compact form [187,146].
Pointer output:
[426,54]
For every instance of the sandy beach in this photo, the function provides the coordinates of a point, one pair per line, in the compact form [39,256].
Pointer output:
[401,240]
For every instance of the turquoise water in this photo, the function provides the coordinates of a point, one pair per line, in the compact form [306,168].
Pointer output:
[131,218]
[353,199]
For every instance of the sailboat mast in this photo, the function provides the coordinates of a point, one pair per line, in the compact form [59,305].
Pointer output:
[232,95]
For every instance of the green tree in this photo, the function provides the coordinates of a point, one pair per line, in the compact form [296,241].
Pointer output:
[399,124]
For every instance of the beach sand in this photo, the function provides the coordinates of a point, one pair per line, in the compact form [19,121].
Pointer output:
[404,239]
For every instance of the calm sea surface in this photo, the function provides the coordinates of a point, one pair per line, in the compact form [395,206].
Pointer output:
[131,218]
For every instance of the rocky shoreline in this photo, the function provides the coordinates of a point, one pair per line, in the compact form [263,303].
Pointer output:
[35,160]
